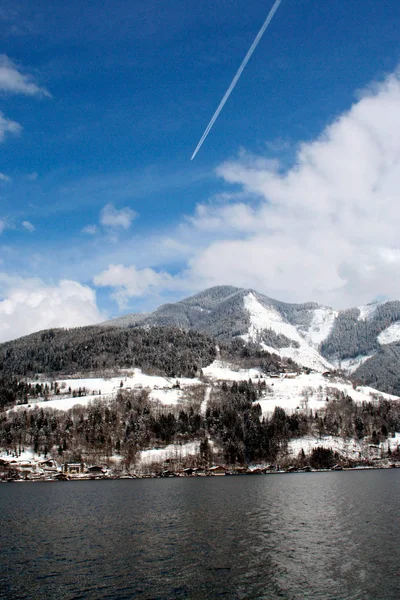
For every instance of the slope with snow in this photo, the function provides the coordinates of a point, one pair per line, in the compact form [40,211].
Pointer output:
[346,447]
[161,390]
[222,371]
[368,310]
[309,392]
[262,318]
[350,365]
[172,451]
[390,334]
[321,325]
[304,392]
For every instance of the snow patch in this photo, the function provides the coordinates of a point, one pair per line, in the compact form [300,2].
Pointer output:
[309,392]
[350,365]
[346,447]
[302,392]
[219,370]
[321,325]
[203,406]
[262,317]
[269,318]
[160,388]
[28,455]
[367,311]
[175,451]
[390,334]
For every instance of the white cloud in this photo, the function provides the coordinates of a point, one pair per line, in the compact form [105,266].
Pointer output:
[132,282]
[111,217]
[30,305]
[3,225]
[28,226]
[8,126]
[90,230]
[325,229]
[15,82]
[4,178]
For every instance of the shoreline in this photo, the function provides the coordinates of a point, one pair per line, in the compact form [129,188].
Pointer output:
[208,475]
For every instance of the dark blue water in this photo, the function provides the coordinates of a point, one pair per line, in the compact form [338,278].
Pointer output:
[327,536]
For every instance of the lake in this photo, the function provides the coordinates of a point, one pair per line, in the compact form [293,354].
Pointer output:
[294,536]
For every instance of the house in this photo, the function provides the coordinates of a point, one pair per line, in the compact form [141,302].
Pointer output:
[291,375]
[239,470]
[96,470]
[255,471]
[61,477]
[73,468]
[48,465]
[217,470]
[25,467]
[188,471]
[168,473]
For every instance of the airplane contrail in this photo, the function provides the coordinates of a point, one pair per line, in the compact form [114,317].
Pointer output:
[238,74]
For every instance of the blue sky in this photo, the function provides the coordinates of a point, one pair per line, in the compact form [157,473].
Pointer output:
[102,106]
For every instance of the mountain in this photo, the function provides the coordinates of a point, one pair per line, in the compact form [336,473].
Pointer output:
[204,371]
[226,313]
[363,341]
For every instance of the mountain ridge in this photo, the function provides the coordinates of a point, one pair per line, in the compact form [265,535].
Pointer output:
[357,339]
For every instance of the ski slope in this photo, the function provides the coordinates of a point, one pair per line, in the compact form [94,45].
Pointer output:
[262,318]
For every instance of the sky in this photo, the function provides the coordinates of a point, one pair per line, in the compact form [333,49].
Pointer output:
[294,193]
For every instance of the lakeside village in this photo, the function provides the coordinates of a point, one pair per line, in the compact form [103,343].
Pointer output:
[304,389]
[14,470]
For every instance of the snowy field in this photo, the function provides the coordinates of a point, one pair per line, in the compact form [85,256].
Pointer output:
[221,371]
[174,451]
[310,392]
[390,334]
[161,389]
[302,392]
[347,447]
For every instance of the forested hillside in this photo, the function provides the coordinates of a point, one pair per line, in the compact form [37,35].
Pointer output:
[352,336]
[131,422]
[171,352]
[382,371]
